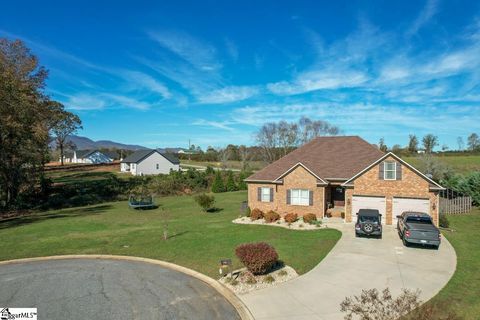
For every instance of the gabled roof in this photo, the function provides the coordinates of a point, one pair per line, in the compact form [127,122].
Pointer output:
[139,155]
[84,153]
[433,184]
[336,158]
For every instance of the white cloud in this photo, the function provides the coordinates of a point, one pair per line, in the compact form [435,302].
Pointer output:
[214,124]
[228,94]
[424,17]
[201,55]
[232,49]
[143,80]
[85,101]
[88,101]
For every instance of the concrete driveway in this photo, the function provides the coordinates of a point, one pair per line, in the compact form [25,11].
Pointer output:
[109,289]
[355,264]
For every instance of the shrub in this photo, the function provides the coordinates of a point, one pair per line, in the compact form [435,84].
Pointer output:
[271,216]
[256,214]
[205,201]
[309,218]
[371,304]
[247,277]
[342,214]
[231,186]
[283,273]
[290,217]
[443,221]
[218,185]
[258,258]
[269,279]
[248,212]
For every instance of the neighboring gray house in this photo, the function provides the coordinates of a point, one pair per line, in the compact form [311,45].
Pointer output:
[148,162]
[89,156]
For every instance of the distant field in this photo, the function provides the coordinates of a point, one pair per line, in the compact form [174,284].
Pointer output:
[459,163]
[252,165]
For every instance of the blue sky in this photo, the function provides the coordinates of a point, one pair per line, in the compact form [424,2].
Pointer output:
[161,73]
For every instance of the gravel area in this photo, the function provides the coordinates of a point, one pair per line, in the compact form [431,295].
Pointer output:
[297,225]
[242,281]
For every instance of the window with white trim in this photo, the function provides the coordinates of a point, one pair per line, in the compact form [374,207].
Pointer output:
[390,170]
[300,197]
[265,194]
[158,166]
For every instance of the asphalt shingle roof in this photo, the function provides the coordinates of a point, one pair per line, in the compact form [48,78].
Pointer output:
[139,155]
[338,157]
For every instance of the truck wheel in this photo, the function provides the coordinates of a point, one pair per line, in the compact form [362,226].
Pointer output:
[405,242]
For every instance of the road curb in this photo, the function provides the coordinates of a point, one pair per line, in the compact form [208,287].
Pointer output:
[241,308]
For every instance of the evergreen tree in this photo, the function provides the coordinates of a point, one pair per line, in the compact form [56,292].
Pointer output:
[218,185]
[242,185]
[231,186]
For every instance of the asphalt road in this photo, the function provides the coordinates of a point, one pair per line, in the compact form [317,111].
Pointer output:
[109,289]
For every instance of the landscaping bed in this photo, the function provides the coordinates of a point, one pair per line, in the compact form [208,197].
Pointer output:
[242,281]
[297,225]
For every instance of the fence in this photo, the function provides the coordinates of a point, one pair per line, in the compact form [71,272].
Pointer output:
[454,202]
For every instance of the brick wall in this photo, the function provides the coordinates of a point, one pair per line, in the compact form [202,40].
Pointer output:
[411,185]
[299,178]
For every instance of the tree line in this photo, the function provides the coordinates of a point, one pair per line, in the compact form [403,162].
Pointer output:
[429,142]
[30,119]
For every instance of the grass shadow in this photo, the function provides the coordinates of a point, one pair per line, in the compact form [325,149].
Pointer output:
[214,210]
[177,234]
[38,217]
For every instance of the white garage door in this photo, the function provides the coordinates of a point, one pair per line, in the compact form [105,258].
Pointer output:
[359,202]
[400,205]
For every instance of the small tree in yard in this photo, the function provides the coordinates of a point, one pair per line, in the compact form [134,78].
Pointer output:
[218,185]
[231,186]
[64,124]
[165,215]
[205,201]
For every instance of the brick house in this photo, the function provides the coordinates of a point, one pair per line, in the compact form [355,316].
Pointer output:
[337,176]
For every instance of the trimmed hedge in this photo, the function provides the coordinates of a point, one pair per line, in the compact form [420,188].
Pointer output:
[290,217]
[271,216]
[258,258]
[309,218]
[256,214]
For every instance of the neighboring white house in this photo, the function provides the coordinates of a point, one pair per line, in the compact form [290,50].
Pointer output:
[89,156]
[148,162]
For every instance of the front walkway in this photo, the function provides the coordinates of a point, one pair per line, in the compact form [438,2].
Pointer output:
[352,265]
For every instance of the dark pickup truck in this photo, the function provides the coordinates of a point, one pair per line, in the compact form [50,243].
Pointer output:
[418,228]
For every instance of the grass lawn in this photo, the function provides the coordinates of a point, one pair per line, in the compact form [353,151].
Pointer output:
[462,292]
[69,176]
[459,163]
[197,240]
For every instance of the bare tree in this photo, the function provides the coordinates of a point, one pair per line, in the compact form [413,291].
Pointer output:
[224,156]
[412,143]
[473,142]
[287,136]
[278,139]
[244,154]
[267,140]
[461,144]
[381,145]
[429,141]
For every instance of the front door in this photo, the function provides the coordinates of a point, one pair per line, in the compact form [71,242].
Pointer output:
[338,196]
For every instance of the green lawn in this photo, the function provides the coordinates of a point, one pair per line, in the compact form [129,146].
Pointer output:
[462,293]
[459,163]
[197,240]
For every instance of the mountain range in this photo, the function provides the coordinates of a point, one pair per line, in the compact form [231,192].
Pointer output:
[83,143]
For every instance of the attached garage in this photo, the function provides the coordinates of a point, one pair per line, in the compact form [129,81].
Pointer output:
[364,202]
[400,205]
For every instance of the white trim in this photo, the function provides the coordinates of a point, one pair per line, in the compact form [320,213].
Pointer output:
[399,160]
[263,181]
[305,167]
[385,170]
